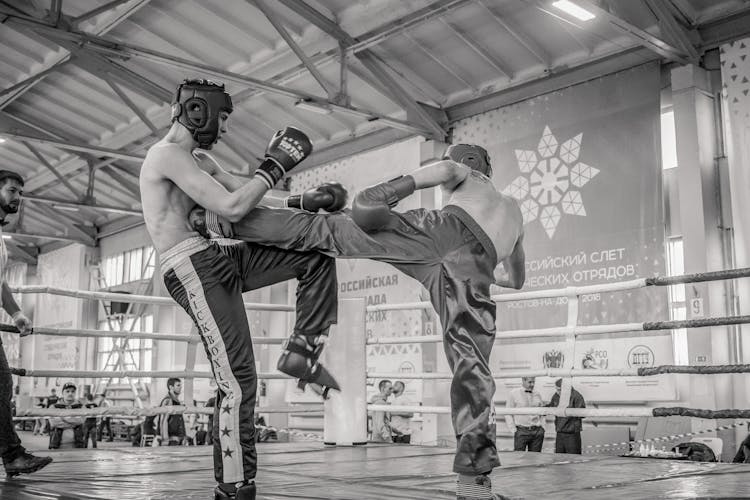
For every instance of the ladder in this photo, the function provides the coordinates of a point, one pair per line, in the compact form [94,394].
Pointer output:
[120,357]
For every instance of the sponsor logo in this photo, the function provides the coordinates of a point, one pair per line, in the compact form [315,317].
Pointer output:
[639,356]
[553,359]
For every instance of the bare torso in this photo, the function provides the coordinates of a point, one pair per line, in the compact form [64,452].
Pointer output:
[498,215]
[165,206]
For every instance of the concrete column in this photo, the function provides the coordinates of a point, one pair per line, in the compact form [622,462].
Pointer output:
[699,211]
[345,357]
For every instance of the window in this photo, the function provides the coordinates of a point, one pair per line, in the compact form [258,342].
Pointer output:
[138,352]
[133,265]
[677,303]
[668,141]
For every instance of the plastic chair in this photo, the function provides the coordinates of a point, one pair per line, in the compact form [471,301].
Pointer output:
[716,444]
[147,440]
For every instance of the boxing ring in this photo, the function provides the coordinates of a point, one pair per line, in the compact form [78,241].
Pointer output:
[333,466]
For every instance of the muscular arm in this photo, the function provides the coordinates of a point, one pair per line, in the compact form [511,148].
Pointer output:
[445,173]
[233,182]
[180,167]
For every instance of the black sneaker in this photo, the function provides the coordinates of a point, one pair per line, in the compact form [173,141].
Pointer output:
[26,464]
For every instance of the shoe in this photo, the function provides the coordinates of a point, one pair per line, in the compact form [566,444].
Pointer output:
[26,464]
[299,359]
[244,492]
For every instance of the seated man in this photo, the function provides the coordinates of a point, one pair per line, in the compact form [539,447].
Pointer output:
[59,424]
[453,252]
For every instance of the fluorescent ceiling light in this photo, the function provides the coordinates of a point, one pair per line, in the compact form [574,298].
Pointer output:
[2,140]
[574,10]
[314,106]
[7,237]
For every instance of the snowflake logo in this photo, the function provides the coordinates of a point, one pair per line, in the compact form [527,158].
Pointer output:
[544,190]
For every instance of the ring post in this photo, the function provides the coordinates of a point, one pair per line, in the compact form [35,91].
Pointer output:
[345,412]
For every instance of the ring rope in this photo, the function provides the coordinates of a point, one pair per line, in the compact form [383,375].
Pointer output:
[581,412]
[581,330]
[128,298]
[671,437]
[132,411]
[23,372]
[505,297]
[80,332]
[578,372]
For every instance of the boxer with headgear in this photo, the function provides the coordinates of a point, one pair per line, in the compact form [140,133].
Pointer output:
[453,252]
[207,278]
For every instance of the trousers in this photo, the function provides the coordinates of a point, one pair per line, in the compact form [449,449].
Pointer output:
[10,443]
[207,279]
[451,256]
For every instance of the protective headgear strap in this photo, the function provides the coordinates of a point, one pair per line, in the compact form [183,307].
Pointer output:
[197,105]
[472,156]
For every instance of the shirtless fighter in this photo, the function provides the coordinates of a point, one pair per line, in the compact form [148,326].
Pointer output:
[453,252]
[207,278]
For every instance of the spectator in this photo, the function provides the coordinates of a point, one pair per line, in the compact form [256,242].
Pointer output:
[381,426]
[172,427]
[89,425]
[200,434]
[528,432]
[39,423]
[52,399]
[106,421]
[568,439]
[401,421]
[59,424]
[211,403]
[743,452]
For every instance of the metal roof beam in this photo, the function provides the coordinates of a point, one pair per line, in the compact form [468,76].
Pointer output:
[279,27]
[366,58]
[22,253]
[99,30]
[673,29]
[480,49]
[525,40]
[77,204]
[643,38]
[74,146]
[126,50]
[18,234]
[130,186]
[70,228]
[52,169]
[76,21]
[129,103]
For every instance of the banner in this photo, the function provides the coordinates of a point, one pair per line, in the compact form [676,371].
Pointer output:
[377,282]
[63,268]
[584,165]
[735,74]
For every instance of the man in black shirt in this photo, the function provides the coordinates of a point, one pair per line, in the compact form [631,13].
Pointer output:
[568,429]
[172,427]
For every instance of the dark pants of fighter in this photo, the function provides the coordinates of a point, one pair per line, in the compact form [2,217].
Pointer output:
[207,280]
[453,258]
[10,443]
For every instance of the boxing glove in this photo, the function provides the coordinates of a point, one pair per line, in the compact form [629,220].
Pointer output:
[371,209]
[286,150]
[330,197]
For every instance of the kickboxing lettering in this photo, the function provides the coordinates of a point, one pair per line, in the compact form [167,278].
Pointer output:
[368,282]
[293,148]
